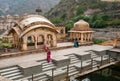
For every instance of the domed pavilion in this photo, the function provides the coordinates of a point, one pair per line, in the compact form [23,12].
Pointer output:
[33,30]
[81,32]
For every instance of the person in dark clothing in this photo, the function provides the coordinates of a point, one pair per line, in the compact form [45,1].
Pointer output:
[76,44]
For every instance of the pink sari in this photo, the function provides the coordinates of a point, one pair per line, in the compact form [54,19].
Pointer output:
[48,55]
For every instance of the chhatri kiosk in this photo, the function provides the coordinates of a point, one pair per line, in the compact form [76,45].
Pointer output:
[81,32]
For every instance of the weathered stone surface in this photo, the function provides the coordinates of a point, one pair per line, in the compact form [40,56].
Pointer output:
[4,79]
[61,61]
[30,68]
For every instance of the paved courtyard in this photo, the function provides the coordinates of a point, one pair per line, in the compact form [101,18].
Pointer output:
[55,54]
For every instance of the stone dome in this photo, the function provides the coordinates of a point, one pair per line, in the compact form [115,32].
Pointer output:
[81,25]
[33,19]
[31,22]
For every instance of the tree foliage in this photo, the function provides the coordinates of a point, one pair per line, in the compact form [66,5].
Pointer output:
[80,10]
[98,5]
[57,20]
[6,45]
[98,41]
[4,40]
[95,21]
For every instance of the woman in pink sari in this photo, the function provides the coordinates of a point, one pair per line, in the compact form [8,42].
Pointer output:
[48,55]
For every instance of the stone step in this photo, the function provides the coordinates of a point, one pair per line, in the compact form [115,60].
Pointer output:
[30,77]
[48,68]
[72,69]
[106,56]
[95,64]
[48,65]
[12,75]
[94,56]
[75,61]
[16,77]
[112,60]
[10,72]
[8,69]
[73,73]
[45,79]
[41,78]
[74,58]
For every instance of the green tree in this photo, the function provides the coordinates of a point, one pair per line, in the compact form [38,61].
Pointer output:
[105,17]
[80,10]
[114,22]
[63,16]
[69,25]
[98,41]
[98,5]
[99,24]
[57,20]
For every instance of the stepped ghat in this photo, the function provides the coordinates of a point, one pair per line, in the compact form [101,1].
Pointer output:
[65,63]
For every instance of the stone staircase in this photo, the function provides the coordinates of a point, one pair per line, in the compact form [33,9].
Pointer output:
[47,66]
[12,73]
[73,58]
[93,56]
[72,69]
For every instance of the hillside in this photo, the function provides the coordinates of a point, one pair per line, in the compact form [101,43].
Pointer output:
[25,6]
[75,7]
[94,11]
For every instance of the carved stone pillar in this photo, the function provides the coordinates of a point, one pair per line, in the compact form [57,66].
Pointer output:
[35,42]
[85,37]
[88,37]
[81,37]
[45,39]
[91,37]
[54,41]
[24,44]
[77,36]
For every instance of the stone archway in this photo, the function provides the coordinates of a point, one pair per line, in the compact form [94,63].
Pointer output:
[49,40]
[40,40]
[31,41]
